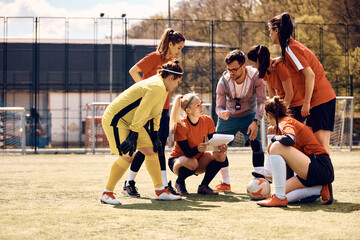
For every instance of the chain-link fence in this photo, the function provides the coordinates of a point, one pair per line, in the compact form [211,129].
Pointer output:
[56,67]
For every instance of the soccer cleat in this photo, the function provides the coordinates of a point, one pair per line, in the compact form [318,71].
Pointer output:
[327,194]
[222,187]
[130,190]
[109,198]
[206,190]
[263,173]
[181,188]
[273,201]
[171,189]
[165,195]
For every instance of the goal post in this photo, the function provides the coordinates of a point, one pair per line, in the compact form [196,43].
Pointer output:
[12,130]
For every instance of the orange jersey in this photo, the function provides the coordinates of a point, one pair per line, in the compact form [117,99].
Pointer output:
[275,79]
[149,66]
[194,134]
[306,141]
[299,57]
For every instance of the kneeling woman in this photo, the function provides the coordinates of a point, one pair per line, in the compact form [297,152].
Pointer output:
[296,145]
[189,154]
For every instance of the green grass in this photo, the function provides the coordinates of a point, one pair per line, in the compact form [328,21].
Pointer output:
[57,197]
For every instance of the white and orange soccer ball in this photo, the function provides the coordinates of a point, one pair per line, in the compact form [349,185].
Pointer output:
[258,188]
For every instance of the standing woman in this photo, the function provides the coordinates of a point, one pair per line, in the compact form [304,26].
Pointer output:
[170,46]
[189,155]
[298,147]
[123,123]
[308,77]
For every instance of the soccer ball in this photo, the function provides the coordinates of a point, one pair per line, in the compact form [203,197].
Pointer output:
[258,188]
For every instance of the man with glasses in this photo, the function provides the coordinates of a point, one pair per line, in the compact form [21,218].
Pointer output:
[240,99]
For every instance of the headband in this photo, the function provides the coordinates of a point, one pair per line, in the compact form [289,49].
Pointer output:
[189,102]
[167,70]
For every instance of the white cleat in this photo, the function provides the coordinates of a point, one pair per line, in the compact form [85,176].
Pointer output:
[165,195]
[263,173]
[109,198]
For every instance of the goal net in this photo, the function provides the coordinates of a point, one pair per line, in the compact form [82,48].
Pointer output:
[12,130]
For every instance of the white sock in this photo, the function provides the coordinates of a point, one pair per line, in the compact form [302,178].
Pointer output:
[160,188]
[268,164]
[105,190]
[225,175]
[269,137]
[164,178]
[131,176]
[279,175]
[302,193]
[257,169]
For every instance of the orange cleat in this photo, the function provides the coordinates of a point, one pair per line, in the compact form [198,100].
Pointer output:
[273,201]
[327,194]
[222,187]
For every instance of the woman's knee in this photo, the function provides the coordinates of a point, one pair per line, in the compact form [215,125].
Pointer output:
[276,148]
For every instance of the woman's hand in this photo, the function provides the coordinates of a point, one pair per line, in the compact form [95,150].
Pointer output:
[202,147]
[222,148]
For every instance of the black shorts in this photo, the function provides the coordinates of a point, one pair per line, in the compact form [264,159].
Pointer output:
[320,171]
[322,117]
[171,163]
[296,113]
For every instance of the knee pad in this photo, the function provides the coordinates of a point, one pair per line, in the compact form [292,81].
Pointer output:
[256,146]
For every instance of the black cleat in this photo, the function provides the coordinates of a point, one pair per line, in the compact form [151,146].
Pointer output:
[130,190]
[171,189]
[181,188]
[206,190]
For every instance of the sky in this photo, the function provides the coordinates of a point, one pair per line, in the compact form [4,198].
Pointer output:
[23,27]
[83,8]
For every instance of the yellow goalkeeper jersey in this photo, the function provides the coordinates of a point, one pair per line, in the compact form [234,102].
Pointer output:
[138,104]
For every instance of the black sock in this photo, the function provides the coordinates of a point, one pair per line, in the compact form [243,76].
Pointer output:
[258,153]
[211,170]
[183,174]
[137,162]
[162,159]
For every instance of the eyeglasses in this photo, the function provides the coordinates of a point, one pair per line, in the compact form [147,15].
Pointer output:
[234,70]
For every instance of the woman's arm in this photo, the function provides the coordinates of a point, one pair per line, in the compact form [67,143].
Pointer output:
[289,92]
[270,90]
[135,73]
[309,88]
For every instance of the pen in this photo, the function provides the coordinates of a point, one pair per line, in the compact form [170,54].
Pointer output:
[204,139]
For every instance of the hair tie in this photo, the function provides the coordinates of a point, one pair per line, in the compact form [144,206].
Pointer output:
[171,32]
[167,70]
[189,102]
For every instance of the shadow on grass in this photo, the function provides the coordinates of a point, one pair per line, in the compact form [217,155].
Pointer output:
[340,207]
[192,202]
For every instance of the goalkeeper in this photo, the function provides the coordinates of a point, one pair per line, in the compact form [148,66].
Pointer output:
[131,123]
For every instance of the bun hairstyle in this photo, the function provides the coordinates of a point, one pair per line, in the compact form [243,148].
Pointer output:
[284,24]
[260,53]
[174,68]
[276,107]
[181,102]
[168,36]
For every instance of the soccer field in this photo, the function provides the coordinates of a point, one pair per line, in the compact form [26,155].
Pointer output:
[57,197]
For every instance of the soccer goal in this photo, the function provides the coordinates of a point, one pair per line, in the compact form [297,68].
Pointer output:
[12,130]
[341,136]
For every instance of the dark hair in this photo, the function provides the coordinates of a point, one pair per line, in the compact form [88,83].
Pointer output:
[262,54]
[172,66]
[235,55]
[168,36]
[284,24]
[276,106]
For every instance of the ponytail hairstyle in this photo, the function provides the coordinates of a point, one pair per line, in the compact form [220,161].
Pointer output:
[277,108]
[262,54]
[284,24]
[168,36]
[171,68]
[181,102]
